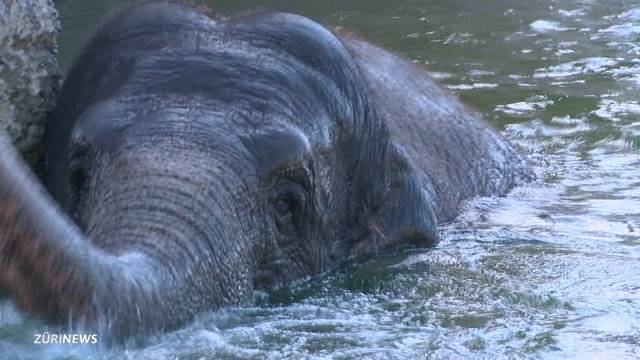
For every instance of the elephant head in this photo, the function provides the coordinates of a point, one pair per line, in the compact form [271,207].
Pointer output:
[191,161]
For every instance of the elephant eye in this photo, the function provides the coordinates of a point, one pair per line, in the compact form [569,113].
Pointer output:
[78,176]
[283,205]
[289,205]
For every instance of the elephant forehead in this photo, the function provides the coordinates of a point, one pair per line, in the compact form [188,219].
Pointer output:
[273,148]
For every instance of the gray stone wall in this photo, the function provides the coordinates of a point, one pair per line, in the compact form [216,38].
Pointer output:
[29,74]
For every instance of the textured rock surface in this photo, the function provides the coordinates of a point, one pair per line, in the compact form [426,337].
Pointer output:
[28,70]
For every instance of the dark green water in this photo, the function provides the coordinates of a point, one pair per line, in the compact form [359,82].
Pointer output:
[551,271]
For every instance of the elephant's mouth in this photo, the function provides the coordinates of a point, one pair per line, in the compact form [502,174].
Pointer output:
[376,239]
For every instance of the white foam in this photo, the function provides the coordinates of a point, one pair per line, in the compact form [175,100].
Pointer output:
[594,65]
[545,26]
[615,110]
[523,107]
[622,30]
[474,86]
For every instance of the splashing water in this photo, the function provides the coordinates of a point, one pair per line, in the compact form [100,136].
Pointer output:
[550,271]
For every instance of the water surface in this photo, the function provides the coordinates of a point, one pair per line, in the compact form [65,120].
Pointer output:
[551,271]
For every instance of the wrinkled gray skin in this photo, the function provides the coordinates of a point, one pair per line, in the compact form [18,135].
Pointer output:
[198,160]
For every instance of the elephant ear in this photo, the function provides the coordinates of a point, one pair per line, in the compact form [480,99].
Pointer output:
[407,213]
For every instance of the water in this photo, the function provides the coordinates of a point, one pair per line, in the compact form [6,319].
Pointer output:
[551,271]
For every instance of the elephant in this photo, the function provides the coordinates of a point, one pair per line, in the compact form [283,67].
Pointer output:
[191,160]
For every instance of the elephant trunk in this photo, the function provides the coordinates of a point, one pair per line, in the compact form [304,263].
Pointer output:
[52,270]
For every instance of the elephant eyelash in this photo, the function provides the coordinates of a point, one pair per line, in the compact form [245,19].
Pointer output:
[291,172]
[298,173]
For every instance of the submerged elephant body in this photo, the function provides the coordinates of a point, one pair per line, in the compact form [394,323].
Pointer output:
[197,160]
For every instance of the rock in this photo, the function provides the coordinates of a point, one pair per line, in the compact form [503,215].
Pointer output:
[29,76]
